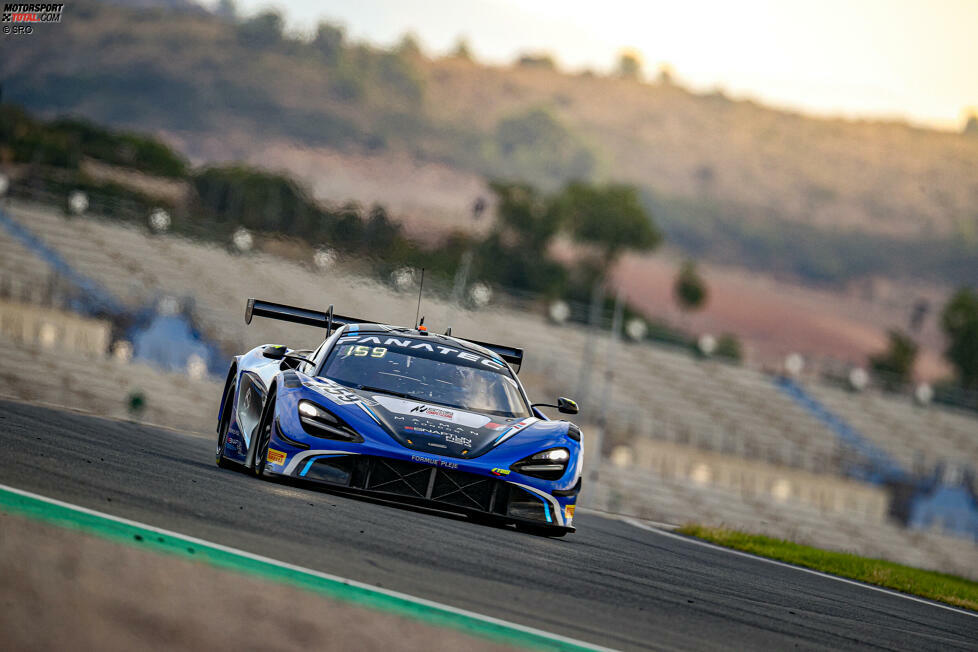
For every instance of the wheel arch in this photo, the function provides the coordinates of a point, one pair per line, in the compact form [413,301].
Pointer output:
[270,394]
[232,375]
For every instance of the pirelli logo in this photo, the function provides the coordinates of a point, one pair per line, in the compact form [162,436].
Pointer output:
[276,457]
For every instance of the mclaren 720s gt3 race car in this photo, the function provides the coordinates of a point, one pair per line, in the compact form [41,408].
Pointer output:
[405,414]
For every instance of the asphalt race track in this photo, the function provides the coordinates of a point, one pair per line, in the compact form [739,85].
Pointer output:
[610,584]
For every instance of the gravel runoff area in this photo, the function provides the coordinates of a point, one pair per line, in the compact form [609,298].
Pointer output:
[64,590]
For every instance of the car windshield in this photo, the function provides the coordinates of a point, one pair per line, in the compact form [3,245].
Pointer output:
[428,371]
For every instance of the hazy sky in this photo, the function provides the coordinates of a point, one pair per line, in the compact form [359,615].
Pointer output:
[914,59]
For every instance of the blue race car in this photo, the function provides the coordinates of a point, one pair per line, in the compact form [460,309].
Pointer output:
[402,413]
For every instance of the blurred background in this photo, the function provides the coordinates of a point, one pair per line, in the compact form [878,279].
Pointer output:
[743,236]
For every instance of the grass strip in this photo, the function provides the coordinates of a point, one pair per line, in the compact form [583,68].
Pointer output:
[941,587]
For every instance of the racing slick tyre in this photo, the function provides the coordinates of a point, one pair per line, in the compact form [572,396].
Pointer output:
[262,438]
[222,431]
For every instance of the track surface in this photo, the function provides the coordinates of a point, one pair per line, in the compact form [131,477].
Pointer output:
[611,583]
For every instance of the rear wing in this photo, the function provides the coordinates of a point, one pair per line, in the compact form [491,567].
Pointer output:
[329,320]
[282,312]
[510,354]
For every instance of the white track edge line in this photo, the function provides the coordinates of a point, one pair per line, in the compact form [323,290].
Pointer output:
[845,580]
[621,517]
[309,571]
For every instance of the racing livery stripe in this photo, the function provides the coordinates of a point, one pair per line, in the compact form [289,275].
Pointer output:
[309,462]
[370,413]
[290,469]
[513,429]
[142,535]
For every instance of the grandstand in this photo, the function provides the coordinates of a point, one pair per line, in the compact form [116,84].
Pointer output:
[105,386]
[916,436]
[656,394]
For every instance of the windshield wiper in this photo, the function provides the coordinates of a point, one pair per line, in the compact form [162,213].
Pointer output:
[367,388]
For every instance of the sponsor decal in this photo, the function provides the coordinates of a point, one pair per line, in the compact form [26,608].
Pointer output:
[426,431]
[364,351]
[569,513]
[455,439]
[414,345]
[276,457]
[500,471]
[406,407]
[449,436]
[336,392]
[430,411]
[434,461]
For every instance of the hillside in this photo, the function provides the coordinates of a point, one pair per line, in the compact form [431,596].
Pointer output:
[730,181]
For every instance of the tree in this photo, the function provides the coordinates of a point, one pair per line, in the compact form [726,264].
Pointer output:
[409,47]
[895,365]
[227,10]
[544,61]
[522,211]
[536,145]
[610,218]
[462,50]
[666,76]
[729,347]
[690,289]
[525,227]
[960,323]
[329,41]
[629,65]
[971,126]
[400,75]
[263,30]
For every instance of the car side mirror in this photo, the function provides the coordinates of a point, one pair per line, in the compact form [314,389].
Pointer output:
[275,351]
[564,405]
[567,406]
[300,358]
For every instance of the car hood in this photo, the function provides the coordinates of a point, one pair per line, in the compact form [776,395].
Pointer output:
[443,430]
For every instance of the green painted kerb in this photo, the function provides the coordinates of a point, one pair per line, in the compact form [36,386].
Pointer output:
[173,544]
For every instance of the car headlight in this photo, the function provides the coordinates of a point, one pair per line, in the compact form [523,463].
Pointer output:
[547,465]
[320,422]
